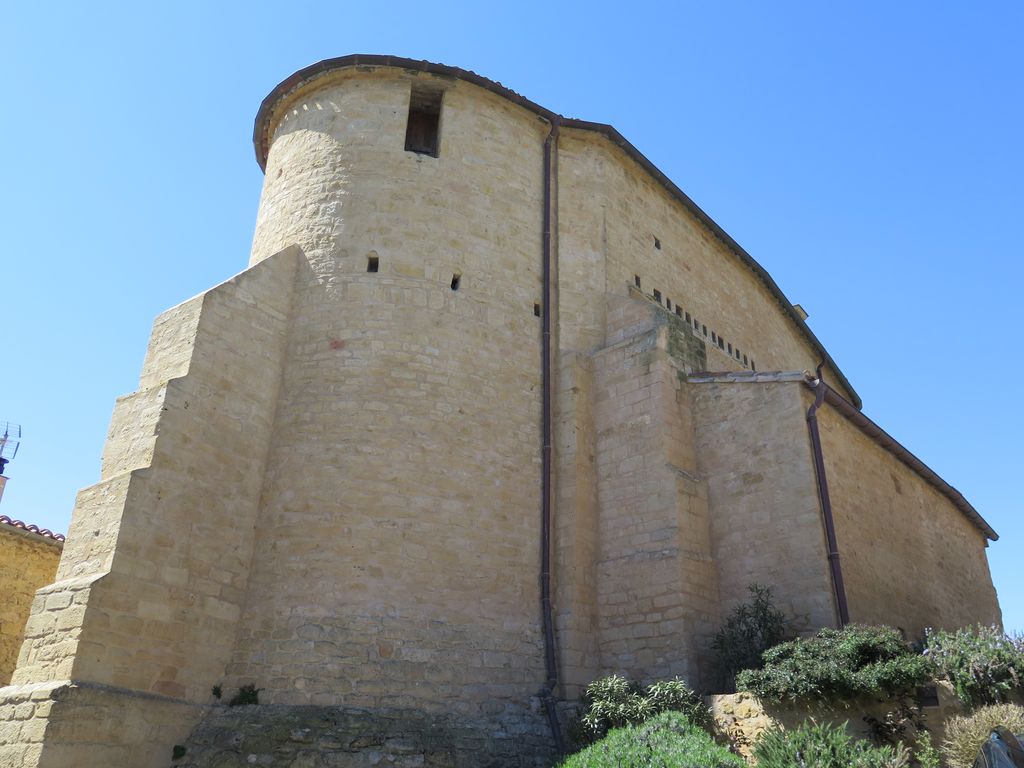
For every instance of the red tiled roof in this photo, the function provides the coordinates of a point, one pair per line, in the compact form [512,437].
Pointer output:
[46,533]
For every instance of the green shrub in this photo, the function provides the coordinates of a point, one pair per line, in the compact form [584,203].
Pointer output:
[668,740]
[247,695]
[983,664]
[750,630]
[614,701]
[965,735]
[824,746]
[838,664]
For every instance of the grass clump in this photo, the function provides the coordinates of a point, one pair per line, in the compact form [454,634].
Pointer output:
[667,740]
[838,665]
[615,701]
[750,630]
[983,664]
[824,746]
[966,735]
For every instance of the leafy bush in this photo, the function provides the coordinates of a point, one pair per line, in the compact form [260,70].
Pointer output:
[750,630]
[838,664]
[614,702]
[668,739]
[983,664]
[824,746]
[965,735]
[247,695]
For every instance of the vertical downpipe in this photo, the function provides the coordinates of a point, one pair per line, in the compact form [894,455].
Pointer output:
[826,504]
[550,660]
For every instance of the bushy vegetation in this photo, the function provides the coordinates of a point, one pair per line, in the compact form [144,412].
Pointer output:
[983,664]
[965,735]
[668,740]
[615,701]
[750,630]
[824,746]
[838,664]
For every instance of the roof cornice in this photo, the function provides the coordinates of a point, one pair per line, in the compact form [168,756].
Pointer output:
[267,113]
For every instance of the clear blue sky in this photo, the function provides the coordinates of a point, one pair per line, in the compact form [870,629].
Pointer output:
[869,155]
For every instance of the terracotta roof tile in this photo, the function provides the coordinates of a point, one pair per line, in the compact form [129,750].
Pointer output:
[46,533]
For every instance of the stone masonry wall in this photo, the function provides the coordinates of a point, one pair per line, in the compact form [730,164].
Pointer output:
[27,562]
[397,551]
[766,520]
[910,558]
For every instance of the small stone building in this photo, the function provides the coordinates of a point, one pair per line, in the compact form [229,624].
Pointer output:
[28,561]
[495,409]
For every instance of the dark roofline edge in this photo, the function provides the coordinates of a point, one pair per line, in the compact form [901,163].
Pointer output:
[261,143]
[893,446]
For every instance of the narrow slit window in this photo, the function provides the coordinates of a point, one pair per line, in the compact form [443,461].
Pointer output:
[536,310]
[745,360]
[668,303]
[657,243]
[721,343]
[752,366]
[704,330]
[737,353]
[679,311]
[714,338]
[730,347]
[636,279]
[422,133]
[687,317]
[372,263]
[657,295]
[456,281]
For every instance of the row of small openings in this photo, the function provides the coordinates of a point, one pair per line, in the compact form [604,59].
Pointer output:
[373,265]
[700,329]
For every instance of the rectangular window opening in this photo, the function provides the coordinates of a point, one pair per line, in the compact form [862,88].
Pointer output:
[657,295]
[536,310]
[668,303]
[745,360]
[704,330]
[714,338]
[456,280]
[737,353]
[730,347]
[657,243]
[423,128]
[372,263]
[679,311]
[752,366]
[721,343]
[636,279]
[687,317]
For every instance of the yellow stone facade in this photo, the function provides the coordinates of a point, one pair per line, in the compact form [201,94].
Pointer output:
[328,485]
[28,561]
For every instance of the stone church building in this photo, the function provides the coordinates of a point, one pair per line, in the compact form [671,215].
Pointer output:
[494,409]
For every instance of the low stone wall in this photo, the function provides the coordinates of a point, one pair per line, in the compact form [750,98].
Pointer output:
[281,736]
[742,718]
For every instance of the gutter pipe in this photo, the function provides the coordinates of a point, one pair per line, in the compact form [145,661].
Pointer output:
[836,569]
[550,660]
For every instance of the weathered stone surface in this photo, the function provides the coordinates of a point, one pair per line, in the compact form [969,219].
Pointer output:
[27,562]
[282,736]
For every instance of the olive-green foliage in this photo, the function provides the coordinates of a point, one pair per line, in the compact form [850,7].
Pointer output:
[965,735]
[983,664]
[614,701]
[824,746]
[925,755]
[668,740]
[750,630]
[247,694]
[838,664]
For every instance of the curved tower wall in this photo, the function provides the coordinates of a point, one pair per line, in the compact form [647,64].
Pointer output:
[397,545]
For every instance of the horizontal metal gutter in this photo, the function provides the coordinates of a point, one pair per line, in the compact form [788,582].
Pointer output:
[264,120]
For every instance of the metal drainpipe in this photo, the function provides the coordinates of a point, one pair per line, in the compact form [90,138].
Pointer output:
[826,504]
[550,660]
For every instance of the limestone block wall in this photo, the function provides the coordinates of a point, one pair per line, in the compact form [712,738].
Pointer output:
[910,557]
[618,223]
[656,587]
[142,617]
[766,525]
[397,554]
[28,561]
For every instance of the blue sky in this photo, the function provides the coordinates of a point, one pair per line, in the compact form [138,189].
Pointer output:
[869,155]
